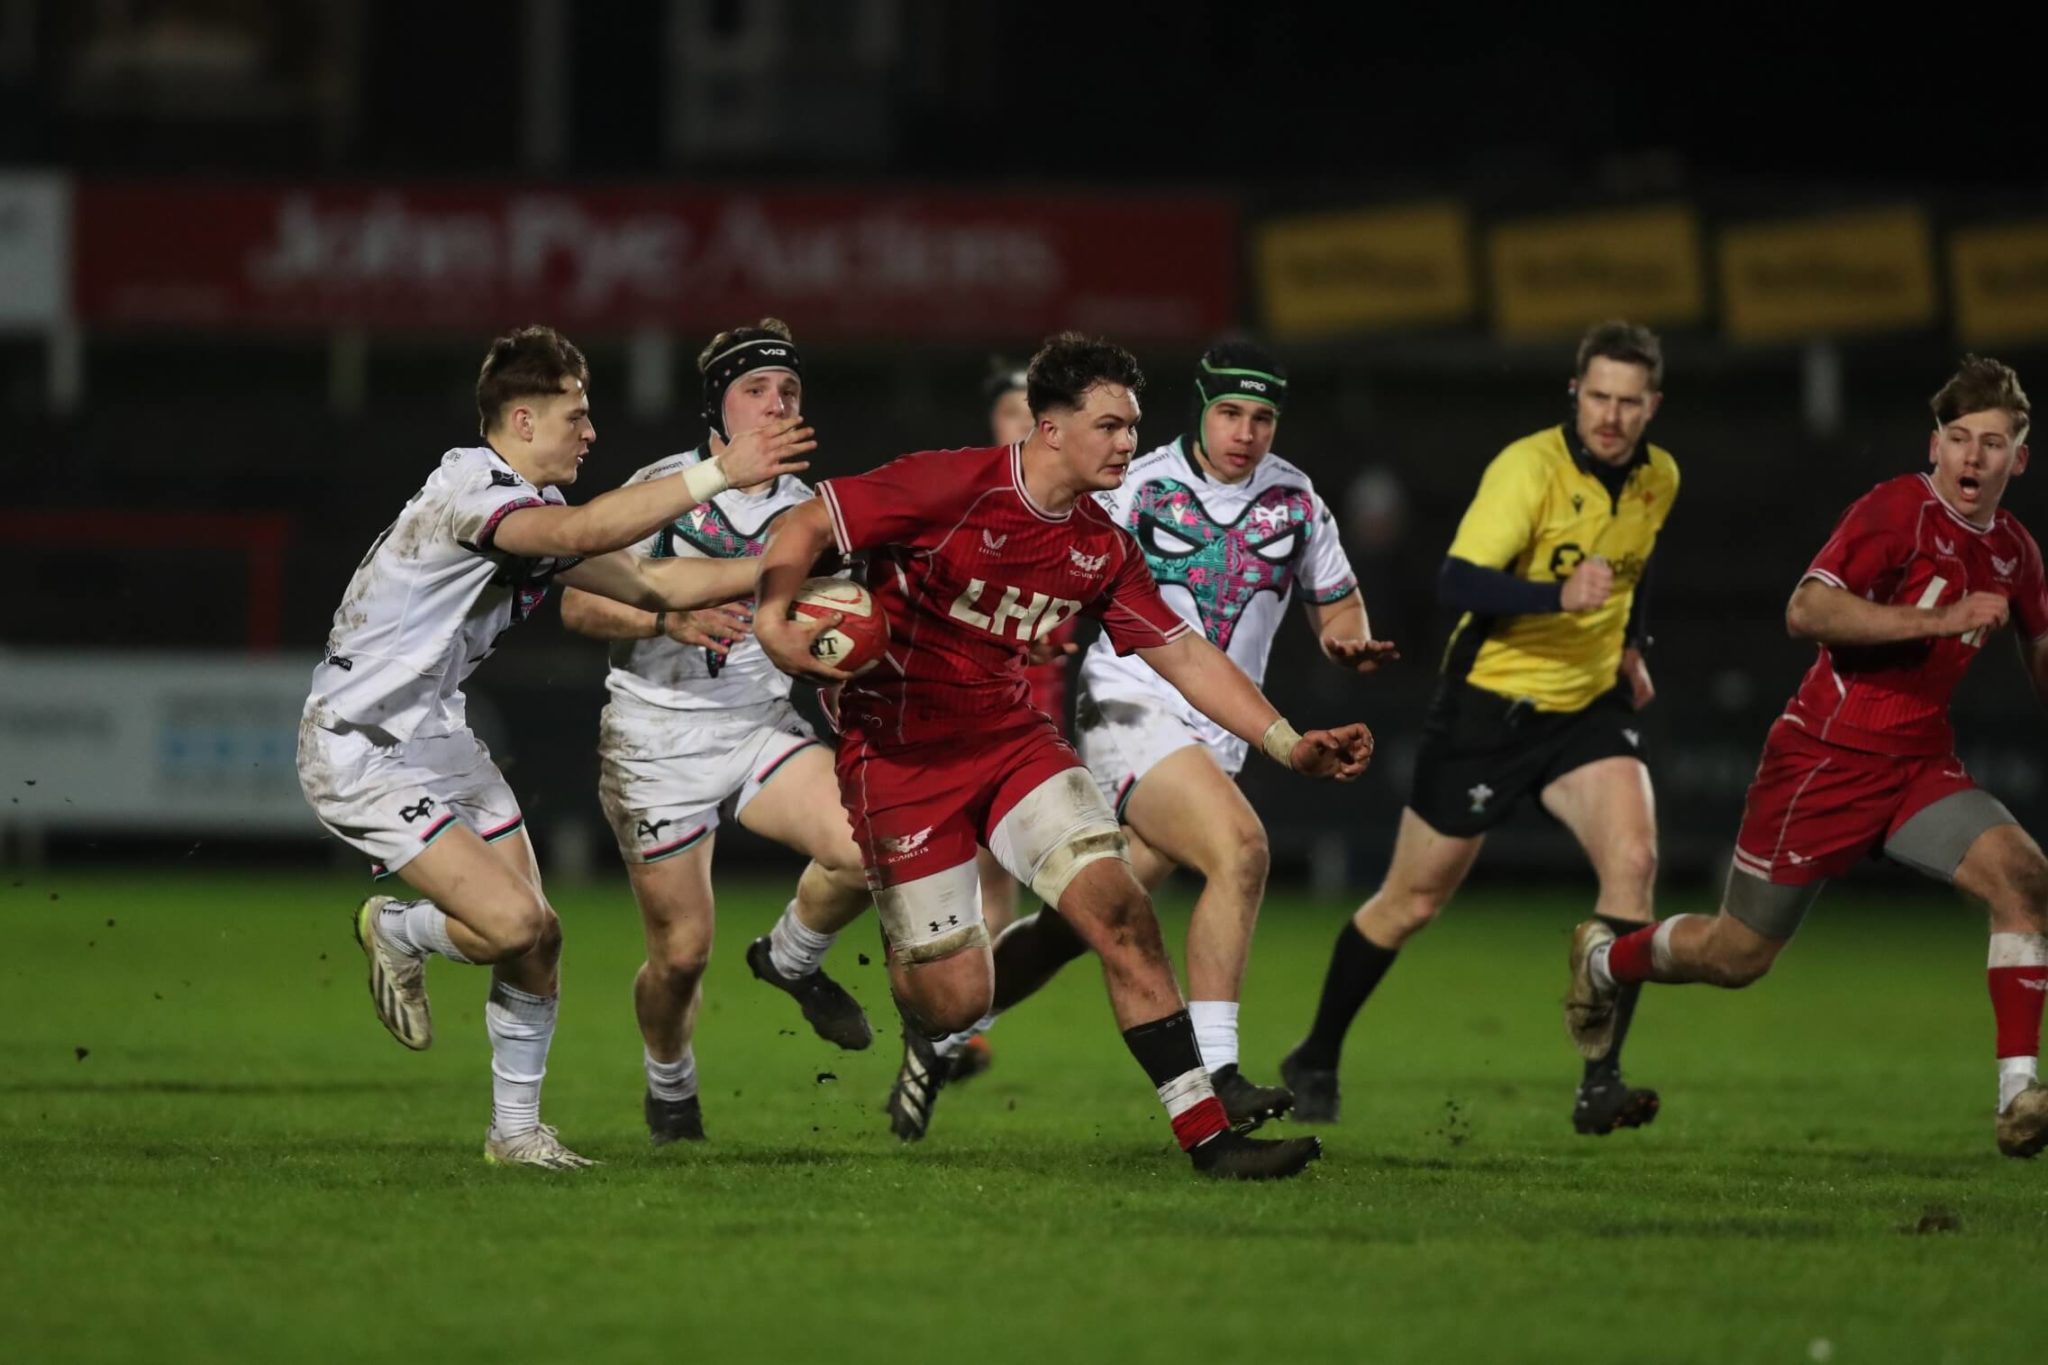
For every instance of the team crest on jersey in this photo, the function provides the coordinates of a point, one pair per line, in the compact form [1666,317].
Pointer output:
[903,845]
[2004,567]
[1086,563]
[1222,567]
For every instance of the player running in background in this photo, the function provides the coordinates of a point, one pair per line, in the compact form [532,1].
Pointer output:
[1918,572]
[1230,531]
[700,722]
[974,555]
[386,756]
[1540,686]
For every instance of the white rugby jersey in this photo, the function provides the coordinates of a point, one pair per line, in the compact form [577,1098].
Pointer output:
[1228,557]
[428,603]
[733,525]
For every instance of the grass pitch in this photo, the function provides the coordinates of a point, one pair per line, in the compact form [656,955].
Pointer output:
[213,1152]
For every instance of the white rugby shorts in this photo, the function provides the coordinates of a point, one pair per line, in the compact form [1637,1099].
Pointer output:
[666,775]
[1121,741]
[390,801]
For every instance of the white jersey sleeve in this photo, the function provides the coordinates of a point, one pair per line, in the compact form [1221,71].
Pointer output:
[428,603]
[664,674]
[1326,574]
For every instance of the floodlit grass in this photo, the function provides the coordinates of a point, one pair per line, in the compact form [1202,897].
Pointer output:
[209,1150]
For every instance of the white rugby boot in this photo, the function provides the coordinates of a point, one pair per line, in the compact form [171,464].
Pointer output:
[398,983]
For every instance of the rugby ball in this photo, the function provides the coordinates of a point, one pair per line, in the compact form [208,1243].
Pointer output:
[860,639]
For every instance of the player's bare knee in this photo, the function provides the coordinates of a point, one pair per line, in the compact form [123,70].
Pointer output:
[527,926]
[947,995]
[1247,861]
[682,961]
[1735,965]
[2024,906]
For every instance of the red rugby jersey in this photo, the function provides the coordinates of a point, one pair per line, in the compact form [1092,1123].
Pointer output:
[1901,544]
[970,570]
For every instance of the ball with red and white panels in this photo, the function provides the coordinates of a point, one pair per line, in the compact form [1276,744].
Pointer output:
[860,639]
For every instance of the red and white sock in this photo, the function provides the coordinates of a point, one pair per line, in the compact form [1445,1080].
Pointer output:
[2018,976]
[1192,1105]
[1637,956]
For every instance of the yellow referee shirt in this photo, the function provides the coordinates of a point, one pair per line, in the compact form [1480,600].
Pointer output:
[1538,513]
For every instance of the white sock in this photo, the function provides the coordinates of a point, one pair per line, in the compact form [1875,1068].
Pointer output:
[521,1026]
[672,1081]
[2014,1075]
[794,949]
[1596,967]
[952,1043]
[417,928]
[1215,1024]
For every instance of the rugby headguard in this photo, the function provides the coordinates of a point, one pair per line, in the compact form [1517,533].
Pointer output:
[1242,371]
[1002,377]
[751,349]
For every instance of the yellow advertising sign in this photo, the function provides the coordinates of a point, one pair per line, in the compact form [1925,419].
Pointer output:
[1375,268]
[1558,275]
[1852,272]
[2000,279]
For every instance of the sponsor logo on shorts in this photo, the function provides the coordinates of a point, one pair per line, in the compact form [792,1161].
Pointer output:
[419,812]
[950,922]
[1634,738]
[2033,985]
[903,845]
[1480,795]
[1796,858]
[1086,563]
[652,829]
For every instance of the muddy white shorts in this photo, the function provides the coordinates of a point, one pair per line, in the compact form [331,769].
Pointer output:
[390,801]
[1121,741]
[667,775]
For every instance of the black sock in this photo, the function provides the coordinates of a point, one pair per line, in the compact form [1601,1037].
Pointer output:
[1356,966]
[1607,1070]
[1031,952]
[1165,1047]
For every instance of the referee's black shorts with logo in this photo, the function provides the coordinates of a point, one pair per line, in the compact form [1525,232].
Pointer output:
[1483,752]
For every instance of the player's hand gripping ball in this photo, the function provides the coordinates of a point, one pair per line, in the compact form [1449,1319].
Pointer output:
[860,639]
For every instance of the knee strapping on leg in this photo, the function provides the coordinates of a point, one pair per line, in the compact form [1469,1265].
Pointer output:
[1064,863]
[933,917]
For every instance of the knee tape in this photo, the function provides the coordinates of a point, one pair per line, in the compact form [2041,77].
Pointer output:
[1065,862]
[933,917]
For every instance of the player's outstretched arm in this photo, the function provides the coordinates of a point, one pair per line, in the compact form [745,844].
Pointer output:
[601,618]
[662,584]
[1829,615]
[795,541]
[1220,690]
[1346,635]
[614,520]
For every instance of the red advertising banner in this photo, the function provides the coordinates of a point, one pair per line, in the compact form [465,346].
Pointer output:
[902,265]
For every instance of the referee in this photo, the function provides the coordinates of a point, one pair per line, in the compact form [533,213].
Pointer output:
[1540,686]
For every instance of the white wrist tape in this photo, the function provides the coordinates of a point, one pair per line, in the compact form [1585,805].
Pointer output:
[1279,741]
[706,480]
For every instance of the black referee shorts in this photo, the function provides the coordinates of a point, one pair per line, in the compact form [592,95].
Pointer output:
[1482,753]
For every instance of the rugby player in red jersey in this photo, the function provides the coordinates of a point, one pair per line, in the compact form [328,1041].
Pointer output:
[1919,571]
[976,556]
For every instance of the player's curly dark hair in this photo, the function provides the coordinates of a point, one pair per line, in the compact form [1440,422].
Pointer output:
[1631,343]
[528,362]
[1070,364]
[1979,385]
